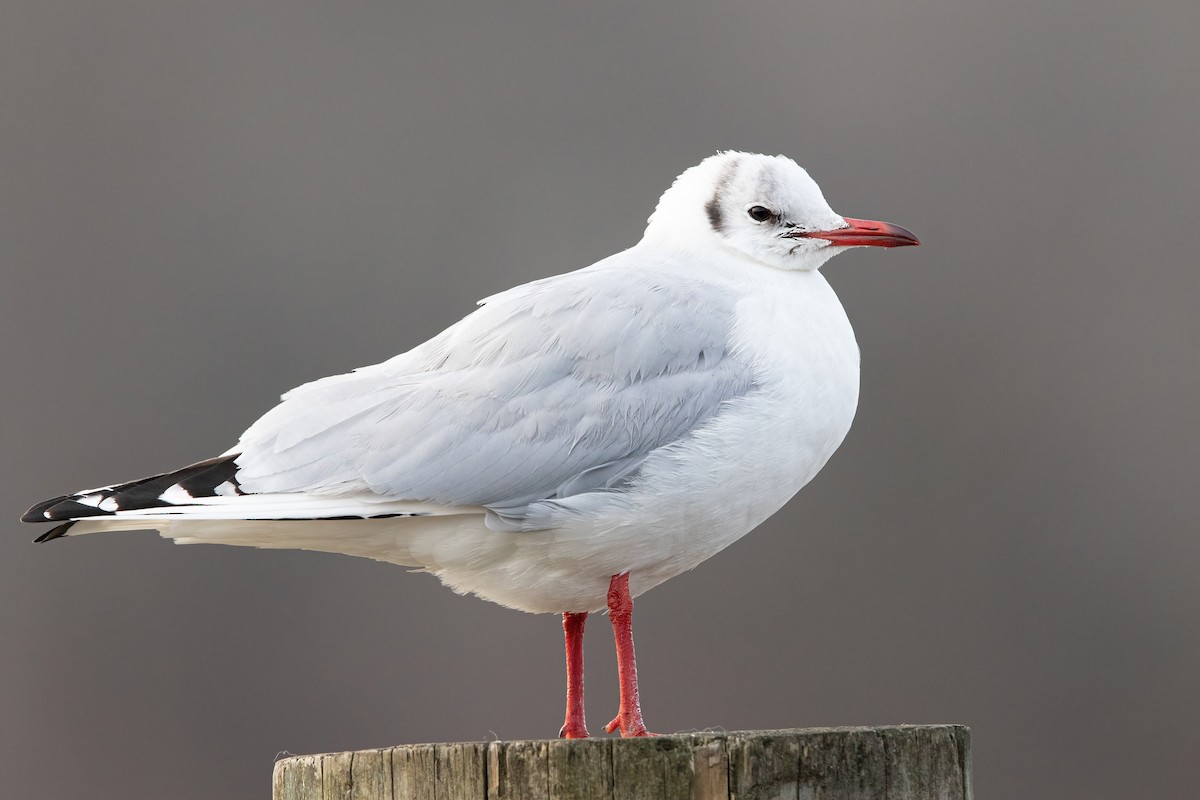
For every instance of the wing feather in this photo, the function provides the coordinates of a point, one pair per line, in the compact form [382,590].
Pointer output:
[551,389]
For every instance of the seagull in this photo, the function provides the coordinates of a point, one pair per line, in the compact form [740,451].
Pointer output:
[573,442]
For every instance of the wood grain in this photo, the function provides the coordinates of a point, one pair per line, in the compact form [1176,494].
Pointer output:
[907,762]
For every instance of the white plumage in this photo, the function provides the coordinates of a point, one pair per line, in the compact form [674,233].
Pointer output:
[631,418]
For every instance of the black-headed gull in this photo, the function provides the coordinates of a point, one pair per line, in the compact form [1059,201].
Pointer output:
[575,441]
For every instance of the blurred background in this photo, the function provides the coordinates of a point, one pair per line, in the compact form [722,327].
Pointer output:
[205,204]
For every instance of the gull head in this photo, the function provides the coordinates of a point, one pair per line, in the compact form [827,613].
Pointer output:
[765,208]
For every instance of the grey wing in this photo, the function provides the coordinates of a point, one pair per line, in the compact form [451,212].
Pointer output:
[552,389]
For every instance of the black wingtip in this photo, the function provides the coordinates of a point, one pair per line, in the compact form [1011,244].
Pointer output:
[201,479]
[38,512]
[60,509]
[55,533]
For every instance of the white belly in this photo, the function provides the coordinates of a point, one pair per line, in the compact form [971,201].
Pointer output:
[700,494]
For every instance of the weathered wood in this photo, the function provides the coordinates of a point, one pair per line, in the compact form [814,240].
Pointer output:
[854,767]
[298,778]
[657,766]
[908,762]
[414,772]
[371,775]
[337,783]
[518,770]
[577,765]
[461,770]
[710,762]
[763,765]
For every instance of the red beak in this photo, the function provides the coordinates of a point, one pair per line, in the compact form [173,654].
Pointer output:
[862,233]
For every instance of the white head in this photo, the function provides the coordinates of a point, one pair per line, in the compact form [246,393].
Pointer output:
[765,208]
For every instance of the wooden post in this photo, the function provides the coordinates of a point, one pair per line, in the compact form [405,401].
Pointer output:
[906,762]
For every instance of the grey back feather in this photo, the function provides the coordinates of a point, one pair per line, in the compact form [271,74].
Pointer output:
[549,390]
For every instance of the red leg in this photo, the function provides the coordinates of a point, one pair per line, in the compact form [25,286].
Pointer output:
[574,727]
[620,609]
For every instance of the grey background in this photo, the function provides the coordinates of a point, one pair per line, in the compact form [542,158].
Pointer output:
[204,204]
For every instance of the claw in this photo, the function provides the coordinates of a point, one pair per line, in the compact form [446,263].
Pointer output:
[569,731]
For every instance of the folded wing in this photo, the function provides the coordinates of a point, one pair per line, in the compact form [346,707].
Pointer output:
[552,389]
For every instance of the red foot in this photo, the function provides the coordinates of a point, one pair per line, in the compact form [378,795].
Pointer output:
[634,727]
[569,732]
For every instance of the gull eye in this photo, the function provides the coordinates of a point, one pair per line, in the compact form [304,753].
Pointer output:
[760,214]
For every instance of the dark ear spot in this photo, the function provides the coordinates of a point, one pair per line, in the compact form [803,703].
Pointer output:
[716,215]
[715,218]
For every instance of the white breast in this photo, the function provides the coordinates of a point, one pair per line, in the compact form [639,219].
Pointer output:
[736,472]
[702,493]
